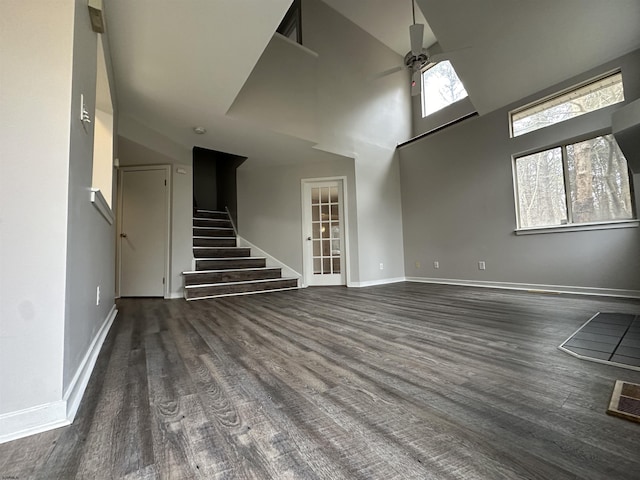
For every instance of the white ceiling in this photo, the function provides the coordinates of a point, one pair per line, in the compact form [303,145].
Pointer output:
[520,47]
[181,64]
[387,20]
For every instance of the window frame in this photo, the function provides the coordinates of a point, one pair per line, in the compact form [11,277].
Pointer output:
[563,92]
[424,70]
[570,226]
[292,20]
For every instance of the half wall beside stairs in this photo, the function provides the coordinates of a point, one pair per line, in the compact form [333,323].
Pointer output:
[223,268]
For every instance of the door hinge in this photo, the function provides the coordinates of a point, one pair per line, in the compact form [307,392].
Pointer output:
[165,183]
[163,280]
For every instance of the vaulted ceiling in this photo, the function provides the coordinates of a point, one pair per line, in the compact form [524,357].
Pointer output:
[181,64]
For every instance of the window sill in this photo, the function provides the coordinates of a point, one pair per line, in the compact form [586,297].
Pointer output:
[579,228]
[101,205]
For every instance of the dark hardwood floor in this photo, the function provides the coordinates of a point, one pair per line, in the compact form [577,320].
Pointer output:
[405,381]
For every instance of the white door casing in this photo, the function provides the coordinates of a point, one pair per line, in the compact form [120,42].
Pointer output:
[324,232]
[143,231]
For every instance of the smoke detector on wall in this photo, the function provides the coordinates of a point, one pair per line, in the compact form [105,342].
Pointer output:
[199,130]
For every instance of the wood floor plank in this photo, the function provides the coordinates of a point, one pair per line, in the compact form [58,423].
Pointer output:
[399,381]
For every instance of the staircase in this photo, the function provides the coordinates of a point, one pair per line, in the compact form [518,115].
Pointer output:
[224,269]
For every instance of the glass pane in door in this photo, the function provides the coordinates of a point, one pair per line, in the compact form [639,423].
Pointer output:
[325,230]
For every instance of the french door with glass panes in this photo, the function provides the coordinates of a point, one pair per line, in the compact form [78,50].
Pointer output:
[324,245]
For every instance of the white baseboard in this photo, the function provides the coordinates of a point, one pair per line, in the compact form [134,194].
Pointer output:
[15,425]
[604,292]
[78,385]
[287,271]
[38,419]
[174,295]
[371,283]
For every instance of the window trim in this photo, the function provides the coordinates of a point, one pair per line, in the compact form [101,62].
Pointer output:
[292,19]
[557,94]
[570,227]
[424,70]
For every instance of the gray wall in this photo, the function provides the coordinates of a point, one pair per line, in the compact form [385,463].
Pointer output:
[458,205]
[354,118]
[270,207]
[56,247]
[34,158]
[90,238]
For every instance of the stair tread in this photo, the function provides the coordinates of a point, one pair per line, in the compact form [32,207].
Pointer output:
[224,248]
[241,282]
[231,258]
[213,228]
[250,269]
[237,294]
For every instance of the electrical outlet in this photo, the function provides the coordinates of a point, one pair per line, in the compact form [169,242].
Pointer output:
[417,264]
[382,266]
[98,295]
[482,265]
[436,264]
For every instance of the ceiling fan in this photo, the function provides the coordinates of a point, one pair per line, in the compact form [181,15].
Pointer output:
[417,58]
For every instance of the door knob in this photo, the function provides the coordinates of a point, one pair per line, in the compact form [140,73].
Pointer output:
[308,238]
[123,235]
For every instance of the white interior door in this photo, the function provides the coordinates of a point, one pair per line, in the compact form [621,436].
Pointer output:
[324,239]
[143,231]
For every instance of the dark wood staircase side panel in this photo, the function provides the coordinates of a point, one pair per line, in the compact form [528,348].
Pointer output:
[214,242]
[213,232]
[221,252]
[239,288]
[227,276]
[227,263]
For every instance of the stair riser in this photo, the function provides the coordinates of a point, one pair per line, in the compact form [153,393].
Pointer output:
[232,276]
[210,222]
[213,232]
[227,263]
[240,288]
[217,215]
[221,252]
[214,242]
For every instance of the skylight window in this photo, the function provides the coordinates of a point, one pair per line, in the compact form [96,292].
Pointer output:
[585,98]
[440,87]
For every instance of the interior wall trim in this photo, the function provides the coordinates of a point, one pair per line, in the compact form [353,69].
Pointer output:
[41,418]
[38,419]
[287,271]
[532,287]
[372,283]
[78,385]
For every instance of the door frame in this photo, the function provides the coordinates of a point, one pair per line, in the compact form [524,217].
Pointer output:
[307,265]
[167,193]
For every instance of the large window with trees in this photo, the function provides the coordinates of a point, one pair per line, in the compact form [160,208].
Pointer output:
[585,182]
[595,94]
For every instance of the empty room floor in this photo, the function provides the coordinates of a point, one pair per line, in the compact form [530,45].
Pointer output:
[404,381]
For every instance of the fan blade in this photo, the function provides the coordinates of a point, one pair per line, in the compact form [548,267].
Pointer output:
[440,56]
[415,83]
[376,76]
[416,33]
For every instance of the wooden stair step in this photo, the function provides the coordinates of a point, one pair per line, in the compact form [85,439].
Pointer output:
[213,232]
[211,222]
[230,275]
[227,263]
[211,214]
[214,241]
[221,252]
[239,288]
